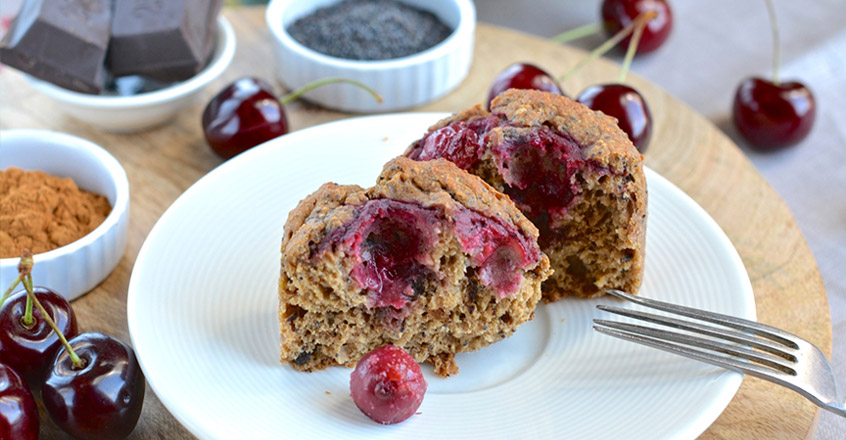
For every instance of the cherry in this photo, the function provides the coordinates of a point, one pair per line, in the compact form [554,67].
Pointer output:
[619,100]
[625,104]
[771,114]
[523,76]
[244,114]
[617,14]
[18,412]
[28,348]
[102,398]
[247,113]
[387,385]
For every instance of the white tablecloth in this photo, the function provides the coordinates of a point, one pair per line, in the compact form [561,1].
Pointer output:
[712,47]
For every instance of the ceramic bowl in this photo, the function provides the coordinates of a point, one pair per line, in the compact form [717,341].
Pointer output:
[404,83]
[78,267]
[125,114]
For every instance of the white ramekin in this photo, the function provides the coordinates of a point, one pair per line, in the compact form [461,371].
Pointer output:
[403,82]
[78,267]
[125,114]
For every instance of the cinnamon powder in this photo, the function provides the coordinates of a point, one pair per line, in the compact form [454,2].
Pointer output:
[42,212]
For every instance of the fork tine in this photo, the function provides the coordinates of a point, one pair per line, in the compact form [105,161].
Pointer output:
[694,341]
[744,325]
[731,335]
[726,362]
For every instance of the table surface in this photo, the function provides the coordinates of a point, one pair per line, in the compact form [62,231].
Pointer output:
[686,148]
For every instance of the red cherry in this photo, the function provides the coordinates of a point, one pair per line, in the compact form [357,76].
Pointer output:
[625,104]
[244,114]
[102,399]
[18,412]
[617,14]
[29,349]
[387,385]
[523,76]
[773,116]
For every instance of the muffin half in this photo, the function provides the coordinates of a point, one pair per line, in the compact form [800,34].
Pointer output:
[430,259]
[571,170]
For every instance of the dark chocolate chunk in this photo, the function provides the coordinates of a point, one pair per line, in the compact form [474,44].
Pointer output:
[303,358]
[166,40]
[61,41]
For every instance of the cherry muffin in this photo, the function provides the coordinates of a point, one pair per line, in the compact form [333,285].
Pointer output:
[430,259]
[570,169]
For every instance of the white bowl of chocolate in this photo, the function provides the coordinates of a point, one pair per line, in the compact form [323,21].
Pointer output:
[410,51]
[67,201]
[120,65]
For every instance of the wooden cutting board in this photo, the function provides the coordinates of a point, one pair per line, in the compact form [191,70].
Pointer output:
[687,149]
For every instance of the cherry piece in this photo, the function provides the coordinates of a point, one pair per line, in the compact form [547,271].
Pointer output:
[387,385]
[617,14]
[103,398]
[523,76]
[18,412]
[29,349]
[773,116]
[391,239]
[461,142]
[538,169]
[244,114]
[625,104]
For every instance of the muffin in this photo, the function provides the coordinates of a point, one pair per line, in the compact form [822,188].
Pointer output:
[571,170]
[430,259]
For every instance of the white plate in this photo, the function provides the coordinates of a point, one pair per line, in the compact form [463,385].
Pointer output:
[202,315]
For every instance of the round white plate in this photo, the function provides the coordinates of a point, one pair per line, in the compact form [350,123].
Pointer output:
[203,298]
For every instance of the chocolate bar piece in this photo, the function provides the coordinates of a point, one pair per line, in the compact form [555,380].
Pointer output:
[61,41]
[166,40]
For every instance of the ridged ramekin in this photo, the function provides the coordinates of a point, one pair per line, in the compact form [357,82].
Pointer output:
[78,267]
[404,83]
[127,114]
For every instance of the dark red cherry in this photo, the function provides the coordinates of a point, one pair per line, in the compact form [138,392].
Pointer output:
[387,385]
[625,104]
[617,14]
[30,348]
[773,116]
[103,398]
[18,412]
[523,76]
[244,114]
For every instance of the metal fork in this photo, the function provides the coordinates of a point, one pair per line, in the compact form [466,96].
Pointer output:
[757,349]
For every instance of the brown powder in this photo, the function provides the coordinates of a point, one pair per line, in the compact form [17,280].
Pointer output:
[41,212]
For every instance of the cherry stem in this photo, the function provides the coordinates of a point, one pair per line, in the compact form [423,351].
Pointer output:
[322,82]
[27,318]
[8,291]
[24,270]
[776,49]
[576,33]
[77,362]
[630,52]
[611,42]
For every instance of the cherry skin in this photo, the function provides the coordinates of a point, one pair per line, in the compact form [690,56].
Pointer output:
[771,116]
[103,399]
[625,104]
[29,349]
[523,76]
[387,385]
[244,114]
[18,412]
[617,14]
